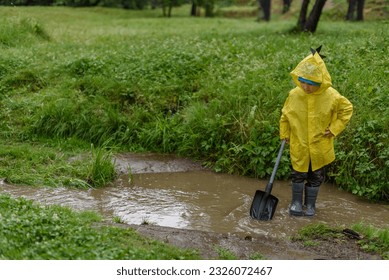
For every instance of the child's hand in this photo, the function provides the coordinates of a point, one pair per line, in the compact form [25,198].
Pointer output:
[328,133]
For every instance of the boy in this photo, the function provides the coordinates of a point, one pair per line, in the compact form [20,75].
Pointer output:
[313,114]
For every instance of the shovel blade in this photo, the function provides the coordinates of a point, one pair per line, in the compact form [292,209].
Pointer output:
[263,206]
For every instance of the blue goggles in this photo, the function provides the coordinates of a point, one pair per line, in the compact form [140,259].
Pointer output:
[309,82]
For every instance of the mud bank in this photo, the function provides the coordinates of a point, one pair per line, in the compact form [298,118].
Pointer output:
[209,245]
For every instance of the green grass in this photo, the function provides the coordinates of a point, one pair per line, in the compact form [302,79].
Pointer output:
[211,89]
[33,232]
[78,85]
[50,165]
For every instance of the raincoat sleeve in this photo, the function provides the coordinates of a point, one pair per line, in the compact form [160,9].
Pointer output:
[284,123]
[342,115]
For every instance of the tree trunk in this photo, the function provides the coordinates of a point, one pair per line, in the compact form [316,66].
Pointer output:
[163,10]
[209,5]
[154,4]
[170,10]
[265,6]
[358,5]
[286,6]
[314,16]
[351,9]
[310,24]
[361,5]
[193,10]
[303,15]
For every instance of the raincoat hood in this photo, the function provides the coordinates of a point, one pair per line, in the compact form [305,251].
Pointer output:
[312,68]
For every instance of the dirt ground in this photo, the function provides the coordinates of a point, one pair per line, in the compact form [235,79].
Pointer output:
[209,244]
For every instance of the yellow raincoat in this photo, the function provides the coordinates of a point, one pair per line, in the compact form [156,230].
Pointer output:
[305,117]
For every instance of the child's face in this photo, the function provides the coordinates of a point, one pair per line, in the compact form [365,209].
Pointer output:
[309,88]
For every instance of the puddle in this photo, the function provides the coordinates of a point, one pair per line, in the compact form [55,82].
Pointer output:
[174,192]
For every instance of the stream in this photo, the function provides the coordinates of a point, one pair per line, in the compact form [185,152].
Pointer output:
[174,192]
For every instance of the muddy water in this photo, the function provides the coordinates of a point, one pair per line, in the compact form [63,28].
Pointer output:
[175,192]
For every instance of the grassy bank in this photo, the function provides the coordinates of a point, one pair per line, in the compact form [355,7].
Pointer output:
[210,89]
[33,232]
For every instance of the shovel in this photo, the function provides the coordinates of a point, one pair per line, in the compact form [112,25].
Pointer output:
[264,204]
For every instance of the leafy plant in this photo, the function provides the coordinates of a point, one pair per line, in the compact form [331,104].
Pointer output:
[364,161]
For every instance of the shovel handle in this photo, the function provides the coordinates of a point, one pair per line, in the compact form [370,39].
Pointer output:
[273,175]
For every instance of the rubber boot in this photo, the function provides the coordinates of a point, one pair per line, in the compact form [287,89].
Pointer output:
[296,206]
[307,185]
[310,200]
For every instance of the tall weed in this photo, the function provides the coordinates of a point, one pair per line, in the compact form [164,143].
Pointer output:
[101,170]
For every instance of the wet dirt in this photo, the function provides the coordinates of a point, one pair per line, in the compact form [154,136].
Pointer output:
[175,200]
